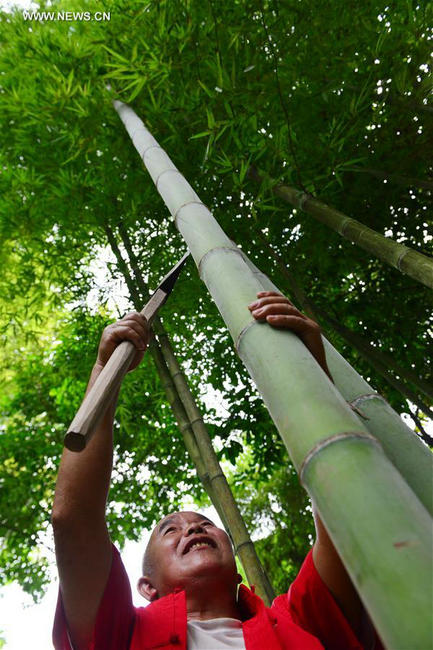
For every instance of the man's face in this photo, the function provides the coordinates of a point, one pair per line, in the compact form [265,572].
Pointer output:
[186,547]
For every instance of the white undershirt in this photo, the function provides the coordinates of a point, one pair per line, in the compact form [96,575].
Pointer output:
[216,634]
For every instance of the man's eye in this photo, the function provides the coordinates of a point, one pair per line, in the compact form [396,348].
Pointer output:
[168,530]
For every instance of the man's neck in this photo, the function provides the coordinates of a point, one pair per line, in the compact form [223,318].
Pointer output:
[204,604]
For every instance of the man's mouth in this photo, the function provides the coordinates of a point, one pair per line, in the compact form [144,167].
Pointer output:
[197,543]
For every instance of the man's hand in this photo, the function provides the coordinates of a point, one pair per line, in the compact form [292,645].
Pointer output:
[132,327]
[279,312]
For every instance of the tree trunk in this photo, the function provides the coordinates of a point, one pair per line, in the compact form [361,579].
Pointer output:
[194,431]
[356,489]
[403,258]
[185,427]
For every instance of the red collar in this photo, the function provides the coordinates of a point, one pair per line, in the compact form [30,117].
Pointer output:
[163,623]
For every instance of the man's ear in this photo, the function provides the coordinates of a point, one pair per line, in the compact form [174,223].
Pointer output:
[146,589]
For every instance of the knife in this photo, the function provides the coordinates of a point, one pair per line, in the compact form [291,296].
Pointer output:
[98,398]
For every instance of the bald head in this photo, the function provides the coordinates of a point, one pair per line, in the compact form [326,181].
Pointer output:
[184,547]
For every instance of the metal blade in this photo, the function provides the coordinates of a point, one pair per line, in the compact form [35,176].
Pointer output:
[164,289]
[168,282]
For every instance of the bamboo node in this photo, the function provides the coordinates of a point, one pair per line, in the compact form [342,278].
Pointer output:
[364,398]
[217,475]
[212,250]
[166,171]
[182,206]
[238,546]
[401,256]
[345,222]
[358,411]
[152,146]
[243,331]
[197,419]
[302,198]
[345,435]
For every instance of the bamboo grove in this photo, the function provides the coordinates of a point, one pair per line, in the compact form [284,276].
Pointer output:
[283,134]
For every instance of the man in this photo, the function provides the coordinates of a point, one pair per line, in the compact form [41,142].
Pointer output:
[189,571]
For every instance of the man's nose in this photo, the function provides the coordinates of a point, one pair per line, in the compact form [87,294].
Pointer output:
[194,528]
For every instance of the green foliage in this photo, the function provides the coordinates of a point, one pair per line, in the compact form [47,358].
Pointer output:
[314,95]
[279,510]
[152,473]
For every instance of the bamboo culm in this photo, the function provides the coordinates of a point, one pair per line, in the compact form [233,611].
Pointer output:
[410,456]
[384,360]
[355,487]
[194,432]
[374,358]
[417,265]
[243,544]
[185,427]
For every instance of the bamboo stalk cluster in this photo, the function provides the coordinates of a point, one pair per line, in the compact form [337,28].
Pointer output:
[382,531]
[192,427]
[383,363]
[410,456]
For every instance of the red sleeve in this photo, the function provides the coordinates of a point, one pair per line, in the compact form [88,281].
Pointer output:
[313,608]
[115,618]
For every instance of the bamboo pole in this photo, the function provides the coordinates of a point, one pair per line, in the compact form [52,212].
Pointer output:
[375,359]
[383,361]
[185,428]
[195,434]
[410,456]
[353,484]
[244,547]
[403,258]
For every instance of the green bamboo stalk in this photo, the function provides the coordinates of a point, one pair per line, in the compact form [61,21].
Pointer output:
[383,361]
[374,358]
[244,547]
[196,436]
[409,455]
[185,428]
[168,386]
[403,258]
[353,484]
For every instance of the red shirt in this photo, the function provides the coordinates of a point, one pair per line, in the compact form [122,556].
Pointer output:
[306,618]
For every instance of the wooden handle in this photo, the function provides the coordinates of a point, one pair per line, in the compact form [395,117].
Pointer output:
[98,398]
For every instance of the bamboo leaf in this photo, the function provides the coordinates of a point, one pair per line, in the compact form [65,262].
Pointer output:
[202,134]
[205,88]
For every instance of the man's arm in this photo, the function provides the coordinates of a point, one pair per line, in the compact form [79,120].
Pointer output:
[83,548]
[278,311]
